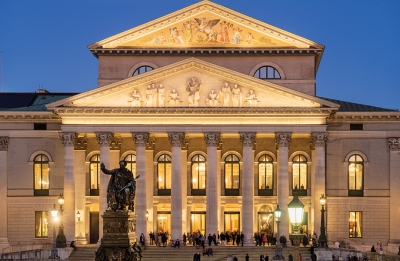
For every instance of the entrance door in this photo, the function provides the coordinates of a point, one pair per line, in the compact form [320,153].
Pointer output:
[94,227]
[164,222]
[198,222]
[232,221]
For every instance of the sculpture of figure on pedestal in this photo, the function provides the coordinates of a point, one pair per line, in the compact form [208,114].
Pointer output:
[236,96]
[193,89]
[121,187]
[226,94]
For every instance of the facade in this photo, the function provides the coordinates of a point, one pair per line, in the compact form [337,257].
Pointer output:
[218,114]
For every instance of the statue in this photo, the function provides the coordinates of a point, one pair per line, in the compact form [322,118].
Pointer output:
[193,89]
[121,187]
[135,98]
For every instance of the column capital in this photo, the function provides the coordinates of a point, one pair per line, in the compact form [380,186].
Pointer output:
[212,139]
[283,139]
[81,143]
[68,138]
[176,138]
[140,138]
[318,139]
[4,143]
[248,138]
[104,138]
[394,144]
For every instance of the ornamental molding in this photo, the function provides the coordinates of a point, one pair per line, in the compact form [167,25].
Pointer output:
[176,138]
[212,139]
[140,138]
[104,138]
[81,143]
[68,138]
[248,139]
[318,139]
[283,139]
[394,144]
[4,143]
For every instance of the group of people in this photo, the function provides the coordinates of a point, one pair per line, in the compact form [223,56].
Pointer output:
[159,239]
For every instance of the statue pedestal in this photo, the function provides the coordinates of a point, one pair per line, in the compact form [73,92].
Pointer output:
[119,237]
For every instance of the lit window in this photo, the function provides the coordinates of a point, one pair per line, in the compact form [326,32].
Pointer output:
[198,172]
[232,172]
[164,170]
[355,224]
[41,229]
[142,69]
[94,172]
[41,172]
[299,172]
[131,163]
[267,72]
[265,172]
[356,173]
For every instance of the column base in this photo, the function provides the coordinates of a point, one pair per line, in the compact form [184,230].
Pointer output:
[393,246]
[4,243]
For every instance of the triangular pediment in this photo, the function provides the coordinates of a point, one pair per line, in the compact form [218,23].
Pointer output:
[192,83]
[205,24]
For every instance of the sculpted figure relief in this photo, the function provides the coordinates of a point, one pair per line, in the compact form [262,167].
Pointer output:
[149,96]
[174,98]
[212,98]
[226,95]
[251,99]
[121,187]
[161,96]
[193,88]
[135,98]
[236,96]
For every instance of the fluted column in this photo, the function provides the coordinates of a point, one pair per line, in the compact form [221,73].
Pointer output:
[176,140]
[68,140]
[104,140]
[248,139]
[140,197]
[283,141]
[80,188]
[3,192]
[318,144]
[212,141]
[394,169]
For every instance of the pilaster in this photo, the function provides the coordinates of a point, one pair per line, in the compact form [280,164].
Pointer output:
[394,169]
[3,192]
[80,188]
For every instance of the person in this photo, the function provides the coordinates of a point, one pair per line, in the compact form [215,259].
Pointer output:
[73,244]
[380,249]
[184,239]
[196,256]
[235,258]
[209,251]
[373,248]
[261,257]
[313,257]
[300,257]
[305,239]
[142,240]
[210,238]
[177,244]
[266,257]
[242,237]
[247,257]
[337,244]
[399,251]
[151,236]
[311,249]
[121,187]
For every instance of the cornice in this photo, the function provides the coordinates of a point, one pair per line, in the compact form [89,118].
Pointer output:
[393,116]
[27,116]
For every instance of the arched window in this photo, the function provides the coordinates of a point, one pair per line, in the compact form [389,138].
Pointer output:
[130,160]
[142,69]
[267,72]
[299,173]
[41,173]
[94,173]
[356,175]
[198,170]
[265,175]
[164,170]
[232,175]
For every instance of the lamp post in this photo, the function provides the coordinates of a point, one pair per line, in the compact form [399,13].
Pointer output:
[296,211]
[322,238]
[61,240]
[278,249]
[54,251]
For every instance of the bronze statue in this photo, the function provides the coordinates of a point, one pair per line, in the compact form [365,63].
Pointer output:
[121,187]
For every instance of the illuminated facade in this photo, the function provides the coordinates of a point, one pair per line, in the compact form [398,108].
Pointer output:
[218,114]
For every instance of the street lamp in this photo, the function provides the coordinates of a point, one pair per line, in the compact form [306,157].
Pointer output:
[61,240]
[54,251]
[296,211]
[278,249]
[322,238]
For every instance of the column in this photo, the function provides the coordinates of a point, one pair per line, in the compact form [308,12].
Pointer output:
[104,140]
[3,192]
[80,188]
[318,143]
[283,141]
[140,197]
[68,140]
[152,220]
[394,169]
[176,140]
[248,140]
[212,141]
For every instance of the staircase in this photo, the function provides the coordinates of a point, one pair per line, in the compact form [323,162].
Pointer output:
[83,253]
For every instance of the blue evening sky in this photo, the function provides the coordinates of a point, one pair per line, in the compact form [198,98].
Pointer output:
[44,42]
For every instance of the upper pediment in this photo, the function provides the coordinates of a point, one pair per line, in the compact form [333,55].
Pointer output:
[192,83]
[205,24]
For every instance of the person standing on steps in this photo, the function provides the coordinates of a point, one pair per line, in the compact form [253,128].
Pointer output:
[247,258]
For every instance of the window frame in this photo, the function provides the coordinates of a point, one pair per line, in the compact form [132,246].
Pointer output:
[131,163]
[355,192]
[96,190]
[353,219]
[165,162]
[302,189]
[232,191]
[268,70]
[43,216]
[199,160]
[267,190]
[142,69]
[41,191]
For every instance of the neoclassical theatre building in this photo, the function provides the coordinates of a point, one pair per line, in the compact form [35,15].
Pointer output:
[218,114]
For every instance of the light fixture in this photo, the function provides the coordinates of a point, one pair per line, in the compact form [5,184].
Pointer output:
[61,200]
[296,211]
[54,211]
[322,200]
[78,215]
[147,215]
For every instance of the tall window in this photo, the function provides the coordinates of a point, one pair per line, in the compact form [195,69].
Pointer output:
[356,173]
[142,69]
[41,224]
[131,163]
[41,172]
[198,174]
[355,224]
[267,72]
[265,174]
[299,172]
[164,170]
[94,171]
[232,175]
